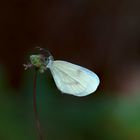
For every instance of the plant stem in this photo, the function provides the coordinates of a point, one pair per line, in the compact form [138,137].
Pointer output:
[35,108]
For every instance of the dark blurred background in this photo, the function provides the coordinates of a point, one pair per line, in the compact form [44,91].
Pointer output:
[103,36]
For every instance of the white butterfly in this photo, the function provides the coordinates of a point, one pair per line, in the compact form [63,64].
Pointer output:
[69,78]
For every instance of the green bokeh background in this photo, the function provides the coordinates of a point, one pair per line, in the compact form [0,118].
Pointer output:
[63,117]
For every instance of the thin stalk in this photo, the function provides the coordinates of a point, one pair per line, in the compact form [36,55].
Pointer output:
[38,126]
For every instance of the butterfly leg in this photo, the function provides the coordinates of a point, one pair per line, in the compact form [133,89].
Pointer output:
[27,66]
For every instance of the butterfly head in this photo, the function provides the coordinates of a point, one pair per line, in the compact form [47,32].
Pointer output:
[49,61]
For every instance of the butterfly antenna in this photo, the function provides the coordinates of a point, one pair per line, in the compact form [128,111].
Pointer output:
[45,50]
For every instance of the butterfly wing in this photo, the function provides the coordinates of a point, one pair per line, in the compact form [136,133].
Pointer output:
[73,79]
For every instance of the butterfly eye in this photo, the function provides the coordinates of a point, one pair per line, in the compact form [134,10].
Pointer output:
[46,59]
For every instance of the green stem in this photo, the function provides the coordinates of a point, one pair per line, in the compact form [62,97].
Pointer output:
[35,108]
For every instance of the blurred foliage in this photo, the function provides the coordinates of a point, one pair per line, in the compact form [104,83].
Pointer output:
[97,116]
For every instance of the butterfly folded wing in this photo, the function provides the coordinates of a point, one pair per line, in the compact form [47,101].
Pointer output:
[73,79]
